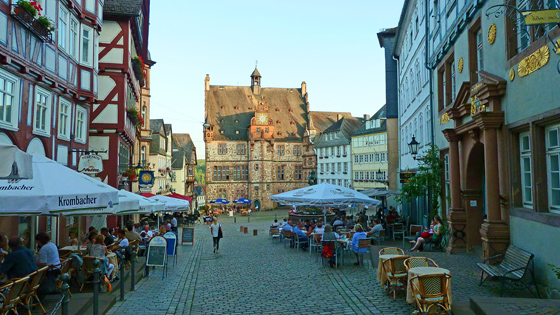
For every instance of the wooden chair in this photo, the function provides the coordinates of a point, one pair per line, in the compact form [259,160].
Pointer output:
[379,238]
[134,247]
[88,269]
[30,292]
[431,291]
[287,237]
[363,243]
[391,251]
[9,301]
[315,243]
[419,262]
[398,229]
[396,274]
[274,233]
[65,266]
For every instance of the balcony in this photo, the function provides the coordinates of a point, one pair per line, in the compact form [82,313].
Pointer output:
[130,128]
[31,23]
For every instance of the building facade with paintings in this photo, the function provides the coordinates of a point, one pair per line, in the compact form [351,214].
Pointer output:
[48,87]
[254,138]
[495,77]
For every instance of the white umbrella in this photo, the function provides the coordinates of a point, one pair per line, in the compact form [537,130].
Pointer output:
[127,203]
[145,205]
[323,195]
[56,189]
[171,204]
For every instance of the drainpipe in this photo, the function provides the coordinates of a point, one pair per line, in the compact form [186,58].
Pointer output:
[432,127]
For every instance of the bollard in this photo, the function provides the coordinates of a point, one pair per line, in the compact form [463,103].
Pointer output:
[248,218]
[245,230]
[96,276]
[234,219]
[121,282]
[275,216]
[255,232]
[241,229]
[66,297]
[132,270]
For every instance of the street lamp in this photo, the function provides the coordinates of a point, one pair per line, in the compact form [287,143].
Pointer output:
[413,146]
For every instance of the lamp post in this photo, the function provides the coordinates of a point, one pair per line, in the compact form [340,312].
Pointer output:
[413,146]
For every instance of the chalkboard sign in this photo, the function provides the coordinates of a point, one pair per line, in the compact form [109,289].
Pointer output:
[188,236]
[171,239]
[157,252]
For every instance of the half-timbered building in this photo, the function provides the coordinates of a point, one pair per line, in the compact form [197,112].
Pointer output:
[116,118]
[48,83]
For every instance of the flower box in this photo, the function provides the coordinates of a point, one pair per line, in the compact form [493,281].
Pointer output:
[332,173]
[338,156]
[345,173]
[344,155]
[26,13]
[326,157]
[320,157]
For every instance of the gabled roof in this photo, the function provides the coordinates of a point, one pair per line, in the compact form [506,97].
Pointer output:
[230,109]
[380,114]
[345,125]
[178,161]
[155,125]
[167,128]
[122,7]
[255,73]
[323,120]
[183,142]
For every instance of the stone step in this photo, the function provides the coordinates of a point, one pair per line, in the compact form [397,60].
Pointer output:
[491,305]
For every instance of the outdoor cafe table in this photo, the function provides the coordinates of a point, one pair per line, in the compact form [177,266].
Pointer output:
[420,271]
[381,275]
[82,249]
[345,243]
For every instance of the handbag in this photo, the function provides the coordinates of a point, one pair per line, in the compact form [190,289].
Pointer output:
[220,233]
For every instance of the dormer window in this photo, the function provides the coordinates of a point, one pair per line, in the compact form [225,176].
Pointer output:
[292,122]
[236,132]
[291,110]
[237,121]
[250,108]
[223,107]
[293,133]
[222,121]
[277,109]
[236,107]
[221,131]
[278,122]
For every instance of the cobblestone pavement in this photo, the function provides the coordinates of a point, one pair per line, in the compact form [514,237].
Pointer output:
[252,275]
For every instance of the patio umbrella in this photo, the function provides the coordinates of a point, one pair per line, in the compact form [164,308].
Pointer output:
[323,195]
[242,200]
[179,196]
[171,204]
[56,189]
[145,205]
[16,164]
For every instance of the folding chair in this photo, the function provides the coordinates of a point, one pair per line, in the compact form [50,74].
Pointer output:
[315,243]
[363,243]
[334,248]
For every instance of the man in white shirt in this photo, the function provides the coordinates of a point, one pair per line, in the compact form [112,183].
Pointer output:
[174,224]
[48,254]
[148,232]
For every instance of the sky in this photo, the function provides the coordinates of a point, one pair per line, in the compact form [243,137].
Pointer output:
[331,45]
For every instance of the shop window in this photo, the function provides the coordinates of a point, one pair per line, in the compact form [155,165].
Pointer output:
[553,167]
[526,175]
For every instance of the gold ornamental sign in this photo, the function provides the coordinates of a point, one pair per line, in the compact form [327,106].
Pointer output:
[534,62]
[541,17]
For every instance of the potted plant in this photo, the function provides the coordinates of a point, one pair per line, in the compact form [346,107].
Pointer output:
[45,23]
[131,174]
[139,69]
[320,157]
[31,7]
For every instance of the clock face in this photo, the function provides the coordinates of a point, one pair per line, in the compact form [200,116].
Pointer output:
[146,177]
[262,119]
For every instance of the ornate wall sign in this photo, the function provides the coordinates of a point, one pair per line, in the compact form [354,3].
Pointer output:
[511,74]
[476,106]
[444,119]
[534,62]
[557,46]
[460,65]
[492,34]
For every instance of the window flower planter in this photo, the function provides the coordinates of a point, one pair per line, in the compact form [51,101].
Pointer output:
[320,157]
[338,156]
[344,173]
[332,173]
[24,12]
[326,157]
[344,155]
[139,69]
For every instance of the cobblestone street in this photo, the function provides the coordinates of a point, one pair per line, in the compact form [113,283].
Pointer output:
[252,275]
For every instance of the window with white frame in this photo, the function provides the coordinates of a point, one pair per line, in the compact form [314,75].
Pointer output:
[64,119]
[525,163]
[73,38]
[9,99]
[447,183]
[553,167]
[42,118]
[383,157]
[63,17]
[80,130]
[86,49]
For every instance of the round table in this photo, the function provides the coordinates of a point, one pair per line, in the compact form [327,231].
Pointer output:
[420,271]
[381,275]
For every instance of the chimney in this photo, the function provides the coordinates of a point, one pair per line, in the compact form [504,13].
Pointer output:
[338,117]
[207,83]
[366,117]
[303,88]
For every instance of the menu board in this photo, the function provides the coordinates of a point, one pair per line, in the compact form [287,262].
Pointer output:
[157,252]
[188,236]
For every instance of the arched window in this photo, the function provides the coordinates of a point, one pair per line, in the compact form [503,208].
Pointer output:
[144,110]
[406,139]
[421,130]
[414,132]
[418,79]
[428,126]
[412,85]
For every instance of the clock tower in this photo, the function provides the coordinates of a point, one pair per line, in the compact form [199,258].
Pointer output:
[261,124]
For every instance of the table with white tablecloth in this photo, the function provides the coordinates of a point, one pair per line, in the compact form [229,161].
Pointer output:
[381,274]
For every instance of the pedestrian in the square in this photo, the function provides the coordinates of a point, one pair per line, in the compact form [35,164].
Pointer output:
[216,229]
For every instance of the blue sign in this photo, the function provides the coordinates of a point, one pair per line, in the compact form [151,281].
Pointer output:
[146,178]
[171,239]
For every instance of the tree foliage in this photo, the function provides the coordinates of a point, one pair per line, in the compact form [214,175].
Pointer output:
[200,172]
[426,182]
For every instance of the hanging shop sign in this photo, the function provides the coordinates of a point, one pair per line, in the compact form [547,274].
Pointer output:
[541,17]
[146,179]
[90,164]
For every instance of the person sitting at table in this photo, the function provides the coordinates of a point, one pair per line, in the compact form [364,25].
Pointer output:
[377,227]
[123,244]
[3,246]
[99,250]
[337,223]
[131,235]
[328,236]
[20,262]
[149,233]
[350,222]
[274,224]
[283,223]
[108,238]
[319,228]
[288,226]
[360,234]
[85,237]
[48,256]
[311,228]
[91,235]
[302,237]
[433,235]
[162,230]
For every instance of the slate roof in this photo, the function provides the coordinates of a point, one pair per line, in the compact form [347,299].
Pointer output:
[380,114]
[184,143]
[255,73]
[167,128]
[122,7]
[322,120]
[199,191]
[221,103]
[155,125]
[155,128]
[178,160]
[347,125]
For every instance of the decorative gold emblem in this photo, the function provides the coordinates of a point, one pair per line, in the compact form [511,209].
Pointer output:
[557,45]
[534,62]
[460,65]
[444,119]
[511,74]
[476,106]
[146,177]
[492,34]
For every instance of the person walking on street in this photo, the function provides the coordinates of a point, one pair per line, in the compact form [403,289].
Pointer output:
[216,230]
